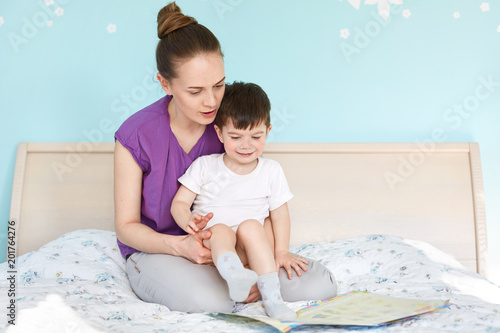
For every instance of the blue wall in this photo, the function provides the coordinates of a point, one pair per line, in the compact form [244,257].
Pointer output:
[335,71]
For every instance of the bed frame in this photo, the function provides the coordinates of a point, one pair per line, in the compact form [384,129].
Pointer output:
[427,191]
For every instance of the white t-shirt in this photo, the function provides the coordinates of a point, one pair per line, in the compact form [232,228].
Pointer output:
[234,198]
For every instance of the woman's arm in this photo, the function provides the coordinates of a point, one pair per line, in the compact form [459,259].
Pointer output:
[280,221]
[128,226]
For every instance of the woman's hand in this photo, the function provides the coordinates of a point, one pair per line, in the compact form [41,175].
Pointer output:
[289,261]
[191,247]
[253,295]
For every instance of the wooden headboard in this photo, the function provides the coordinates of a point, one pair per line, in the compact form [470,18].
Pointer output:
[429,191]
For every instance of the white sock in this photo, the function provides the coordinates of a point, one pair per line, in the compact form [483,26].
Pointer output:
[269,287]
[239,279]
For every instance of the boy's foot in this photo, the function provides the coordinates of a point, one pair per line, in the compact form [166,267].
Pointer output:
[279,310]
[240,283]
[269,287]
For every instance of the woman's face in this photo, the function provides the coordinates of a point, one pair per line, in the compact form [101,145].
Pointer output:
[198,89]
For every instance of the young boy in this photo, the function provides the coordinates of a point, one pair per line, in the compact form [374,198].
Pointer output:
[233,193]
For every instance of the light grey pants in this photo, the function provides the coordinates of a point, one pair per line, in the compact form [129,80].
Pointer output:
[184,286]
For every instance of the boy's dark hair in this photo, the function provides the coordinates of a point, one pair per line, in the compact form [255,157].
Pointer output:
[245,104]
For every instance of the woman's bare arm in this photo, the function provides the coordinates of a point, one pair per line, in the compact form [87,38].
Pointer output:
[129,229]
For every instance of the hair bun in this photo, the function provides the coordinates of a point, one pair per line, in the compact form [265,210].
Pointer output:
[170,18]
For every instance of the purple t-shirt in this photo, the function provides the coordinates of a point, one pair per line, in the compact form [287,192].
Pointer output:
[148,137]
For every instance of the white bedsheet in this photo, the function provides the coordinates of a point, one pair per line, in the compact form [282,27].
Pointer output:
[78,283]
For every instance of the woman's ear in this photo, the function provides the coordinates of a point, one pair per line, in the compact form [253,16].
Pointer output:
[164,84]
[219,133]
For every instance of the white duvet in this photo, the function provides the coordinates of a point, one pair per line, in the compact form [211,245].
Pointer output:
[78,283]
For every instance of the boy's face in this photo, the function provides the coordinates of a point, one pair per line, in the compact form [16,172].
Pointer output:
[243,146]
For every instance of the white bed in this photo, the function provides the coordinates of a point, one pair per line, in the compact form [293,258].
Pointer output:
[399,219]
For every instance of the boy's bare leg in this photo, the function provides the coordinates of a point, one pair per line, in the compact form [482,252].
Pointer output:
[239,279]
[251,238]
[268,227]
[253,242]
[223,239]
[315,283]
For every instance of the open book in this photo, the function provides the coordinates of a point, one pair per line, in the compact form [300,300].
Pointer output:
[353,309]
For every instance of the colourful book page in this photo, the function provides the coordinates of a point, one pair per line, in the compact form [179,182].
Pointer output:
[366,309]
[354,309]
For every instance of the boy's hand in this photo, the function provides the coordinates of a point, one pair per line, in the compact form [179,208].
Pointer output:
[198,222]
[289,261]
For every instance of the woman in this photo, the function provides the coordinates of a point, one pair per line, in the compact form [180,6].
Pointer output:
[154,147]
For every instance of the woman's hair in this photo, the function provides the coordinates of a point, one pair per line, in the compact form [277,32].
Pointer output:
[181,38]
[245,104]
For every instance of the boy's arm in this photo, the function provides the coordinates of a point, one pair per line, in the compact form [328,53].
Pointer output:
[280,221]
[280,218]
[181,211]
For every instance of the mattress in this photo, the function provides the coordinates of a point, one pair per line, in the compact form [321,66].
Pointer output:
[78,283]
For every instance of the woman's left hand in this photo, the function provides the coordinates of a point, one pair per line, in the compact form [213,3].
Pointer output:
[253,295]
[289,261]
